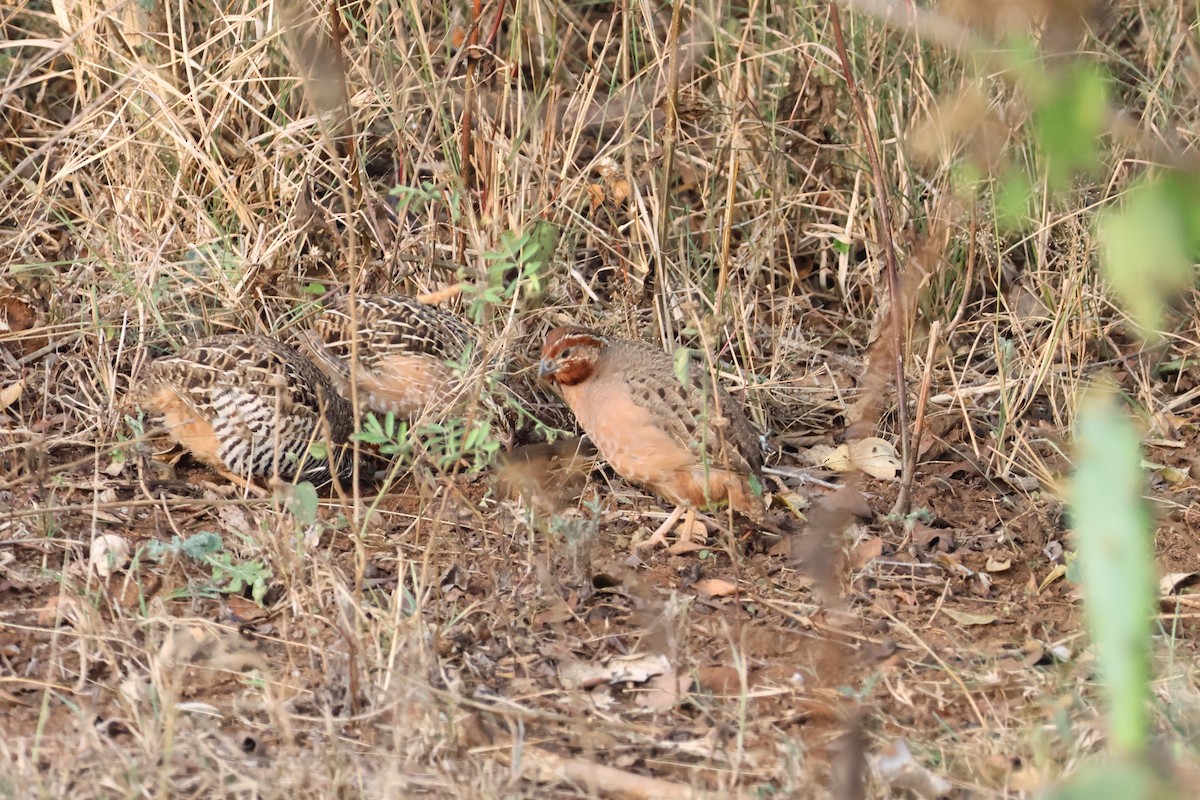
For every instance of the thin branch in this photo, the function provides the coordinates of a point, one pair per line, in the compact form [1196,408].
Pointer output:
[889,257]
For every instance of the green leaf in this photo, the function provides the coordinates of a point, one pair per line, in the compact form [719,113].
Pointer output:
[1071,115]
[1114,780]
[1014,200]
[201,545]
[303,503]
[683,360]
[1114,540]
[1150,243]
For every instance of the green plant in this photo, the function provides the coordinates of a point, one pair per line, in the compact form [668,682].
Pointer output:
[518,265]
[207,548]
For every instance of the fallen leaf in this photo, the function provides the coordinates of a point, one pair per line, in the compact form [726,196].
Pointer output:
[558,612]
[876,457]
[17,320]
[866,551]
[1059,571]
[898,769]
[850,500]
[997,565]
[575,674]
[638,669]
[660,693]
[719,680]
[793,501]
[65,609]
[837,458]
[929,539]
[109,553]
[1173,475]
[242,610]
[595,195]
[963,618]
[715,587]
[820,454]
[11,394]
[1173,582]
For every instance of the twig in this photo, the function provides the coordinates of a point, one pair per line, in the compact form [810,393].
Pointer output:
[910,462]
[605,781]
[889,256]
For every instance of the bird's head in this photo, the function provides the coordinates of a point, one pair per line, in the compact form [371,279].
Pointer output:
[569,355]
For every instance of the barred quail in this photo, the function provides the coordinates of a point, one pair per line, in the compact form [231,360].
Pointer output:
[410,355]
[251,406]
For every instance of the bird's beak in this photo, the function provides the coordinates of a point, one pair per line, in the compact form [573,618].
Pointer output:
[547,367]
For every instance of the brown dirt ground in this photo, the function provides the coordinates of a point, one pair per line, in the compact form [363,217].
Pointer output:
[941,634]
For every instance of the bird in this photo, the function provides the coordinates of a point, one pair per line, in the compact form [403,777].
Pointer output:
[410,355]
[671,430]
[252,407]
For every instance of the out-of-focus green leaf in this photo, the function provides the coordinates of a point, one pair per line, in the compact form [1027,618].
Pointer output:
[1150,243]
[1014,199]
[303,503]
[1070,117]
[1114,541]
[1114,780]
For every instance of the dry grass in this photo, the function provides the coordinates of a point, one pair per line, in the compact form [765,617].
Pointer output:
[170,171]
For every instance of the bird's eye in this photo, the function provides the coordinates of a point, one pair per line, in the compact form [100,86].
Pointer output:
[566,353]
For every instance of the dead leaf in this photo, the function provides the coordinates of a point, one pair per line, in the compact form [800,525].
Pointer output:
[638,668]
[836,458]
[242,611]
[595,195]
[715,587]
[17,320]
[929,539]
[866,551]
[661,692]
[1173,582]
[576,674]
[109,553]
[876,457]
[558,612]
[11,393]
[65,609]
[848,499]
[819,455]
[1059,571]
[898,769]
[793,501]
[963,618]
[719,680]
[953,565]
[996,565]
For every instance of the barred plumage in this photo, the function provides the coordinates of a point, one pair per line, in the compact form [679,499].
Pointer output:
[410,355]
[253,406]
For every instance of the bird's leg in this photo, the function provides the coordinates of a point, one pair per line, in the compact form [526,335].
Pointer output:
[687,529]
[659,537]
